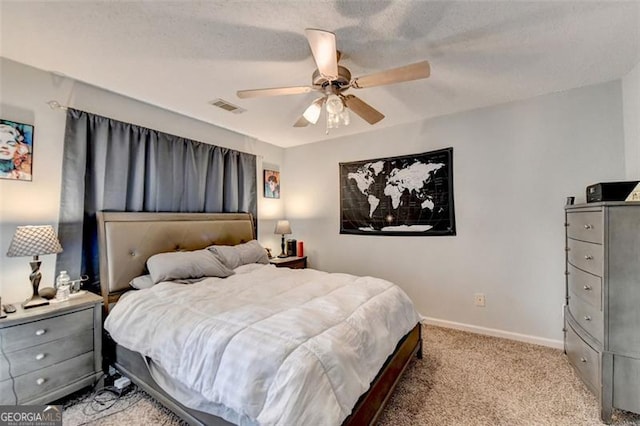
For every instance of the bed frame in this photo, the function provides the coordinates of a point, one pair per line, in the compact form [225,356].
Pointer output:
[127,240]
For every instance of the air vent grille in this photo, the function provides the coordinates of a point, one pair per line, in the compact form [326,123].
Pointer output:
[227,106]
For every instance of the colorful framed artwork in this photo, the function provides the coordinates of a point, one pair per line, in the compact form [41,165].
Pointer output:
[16,150]
[411,195]
[271,184]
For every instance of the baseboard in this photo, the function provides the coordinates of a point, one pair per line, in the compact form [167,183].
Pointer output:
[556,344]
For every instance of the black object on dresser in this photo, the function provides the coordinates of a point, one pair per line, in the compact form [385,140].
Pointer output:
[602,313]
[291,262]
[610,191]
[50,351]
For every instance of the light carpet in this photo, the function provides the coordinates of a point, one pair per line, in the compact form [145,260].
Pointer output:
[463,379]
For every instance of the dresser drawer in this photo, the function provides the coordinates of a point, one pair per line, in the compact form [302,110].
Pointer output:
[586,226]
[584,359]
[37,357]
[56,376]
[589,318]
[46,330]
[586,286]
[6,393]
[586,256]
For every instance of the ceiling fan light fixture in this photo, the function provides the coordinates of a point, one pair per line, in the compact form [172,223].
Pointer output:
[335,120]
[334,104]
[312,114]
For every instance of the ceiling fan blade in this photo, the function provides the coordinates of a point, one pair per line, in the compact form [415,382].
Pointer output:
[363,109]
[302,122]
[323,48]
[276,91]
[396,75]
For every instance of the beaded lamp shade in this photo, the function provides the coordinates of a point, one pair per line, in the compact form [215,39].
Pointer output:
[34,241]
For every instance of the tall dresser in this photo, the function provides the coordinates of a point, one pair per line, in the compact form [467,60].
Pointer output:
[602,313]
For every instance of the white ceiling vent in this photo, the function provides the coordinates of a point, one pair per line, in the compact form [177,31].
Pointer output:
[221,103]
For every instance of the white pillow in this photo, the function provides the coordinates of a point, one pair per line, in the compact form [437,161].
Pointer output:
[142,282]
[241,254]
[181,265]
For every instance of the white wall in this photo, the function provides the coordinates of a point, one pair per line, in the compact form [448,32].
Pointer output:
[631,106]
[514,165]
[24,93]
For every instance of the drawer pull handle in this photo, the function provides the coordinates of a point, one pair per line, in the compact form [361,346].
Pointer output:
[40,381]
[588,226]
[40,332]
[582,359]
[587,318]
[586,287]
[588,257]
[39,357]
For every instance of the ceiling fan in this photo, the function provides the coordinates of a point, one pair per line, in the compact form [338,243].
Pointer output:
[332,80]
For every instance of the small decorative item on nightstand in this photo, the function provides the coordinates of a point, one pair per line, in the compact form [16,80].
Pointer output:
[292,247]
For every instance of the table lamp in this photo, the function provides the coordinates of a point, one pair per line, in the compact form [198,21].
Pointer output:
[282,228]
[34,241]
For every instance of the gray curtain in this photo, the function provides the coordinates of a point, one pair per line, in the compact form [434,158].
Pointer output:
[116,166]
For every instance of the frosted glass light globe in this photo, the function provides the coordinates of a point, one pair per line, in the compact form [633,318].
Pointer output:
[334,104]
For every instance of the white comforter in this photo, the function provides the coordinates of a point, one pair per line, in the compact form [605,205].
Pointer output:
[273,345]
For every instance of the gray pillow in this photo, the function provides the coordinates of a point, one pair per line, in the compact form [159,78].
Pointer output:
[241,254]
[142,282]
[182,265]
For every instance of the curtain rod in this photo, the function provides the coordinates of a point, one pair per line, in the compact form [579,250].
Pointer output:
[55,105]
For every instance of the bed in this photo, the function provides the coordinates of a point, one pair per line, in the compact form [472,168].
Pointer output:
[127,240]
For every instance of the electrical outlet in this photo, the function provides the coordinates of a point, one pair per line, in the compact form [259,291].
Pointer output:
[479,300]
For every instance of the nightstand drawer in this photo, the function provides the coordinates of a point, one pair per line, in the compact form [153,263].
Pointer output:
[6,393]
[291,262]
[584,358]
[38,382]
[586,256]
[41,356]
[296,264]
[46,330]
[586,226]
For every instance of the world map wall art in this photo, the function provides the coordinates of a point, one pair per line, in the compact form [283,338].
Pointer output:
[410,195]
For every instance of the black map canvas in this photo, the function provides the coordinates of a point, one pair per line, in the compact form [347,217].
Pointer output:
[408,195]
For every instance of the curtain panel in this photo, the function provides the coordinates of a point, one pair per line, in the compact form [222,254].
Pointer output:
[117,166]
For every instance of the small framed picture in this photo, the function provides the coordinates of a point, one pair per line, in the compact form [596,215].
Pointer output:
[16,150]
[271,184]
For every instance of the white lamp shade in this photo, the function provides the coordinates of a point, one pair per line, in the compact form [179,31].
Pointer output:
[34,241]
[283,227]
[312,114]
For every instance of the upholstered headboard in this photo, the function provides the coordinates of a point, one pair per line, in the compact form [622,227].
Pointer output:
[127,240]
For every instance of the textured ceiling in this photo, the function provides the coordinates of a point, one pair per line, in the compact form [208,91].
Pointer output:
[180,55]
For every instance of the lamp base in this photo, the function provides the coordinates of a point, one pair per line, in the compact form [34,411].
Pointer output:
[282,253]
[34,302]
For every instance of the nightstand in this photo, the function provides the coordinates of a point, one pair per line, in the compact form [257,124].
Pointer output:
[292,262]
[50,351]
